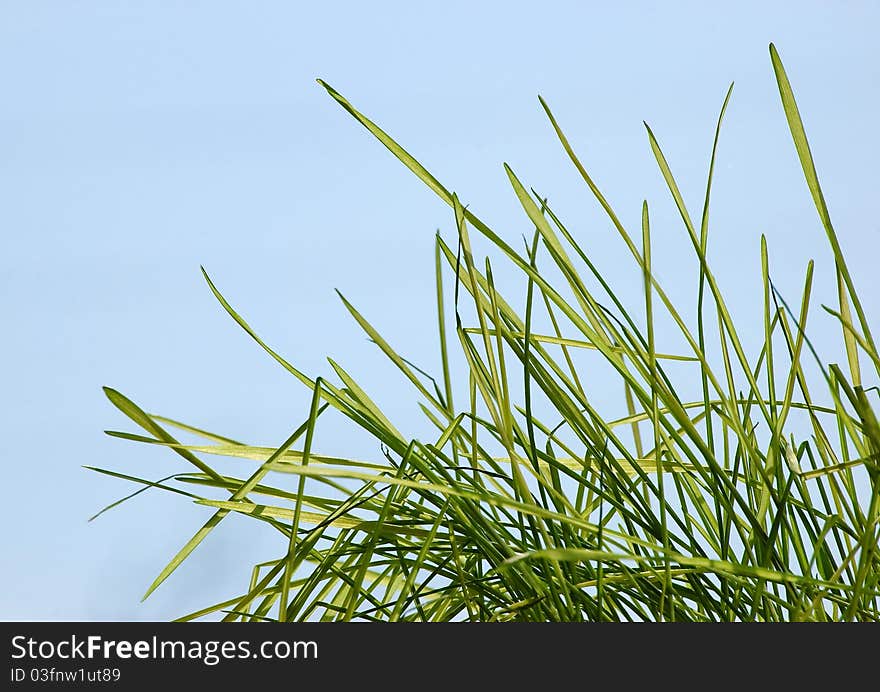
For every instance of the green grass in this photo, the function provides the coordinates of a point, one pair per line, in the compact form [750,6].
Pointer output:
[757,500]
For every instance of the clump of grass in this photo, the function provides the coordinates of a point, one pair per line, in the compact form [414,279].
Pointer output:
[756,501]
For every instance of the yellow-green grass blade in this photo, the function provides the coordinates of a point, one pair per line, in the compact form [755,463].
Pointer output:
[837,468]
[579,343]
[441,326]
[365,400]
[715,566]
[250,332]
[209,526]
[557,251]
[139,416]
[449,431]
[799,136]
[795,350]
[331,394]
[275,512]
[659,438]
[250,452]
[392,354]
[194,430]
[289,563]
[856,337]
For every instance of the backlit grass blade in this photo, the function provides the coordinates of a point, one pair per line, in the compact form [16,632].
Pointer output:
[133,411]
[798,134]
[209,526]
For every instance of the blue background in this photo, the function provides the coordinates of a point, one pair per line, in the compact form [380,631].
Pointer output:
[140,140]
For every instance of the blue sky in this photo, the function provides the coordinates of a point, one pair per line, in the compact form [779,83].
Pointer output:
[140,140]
